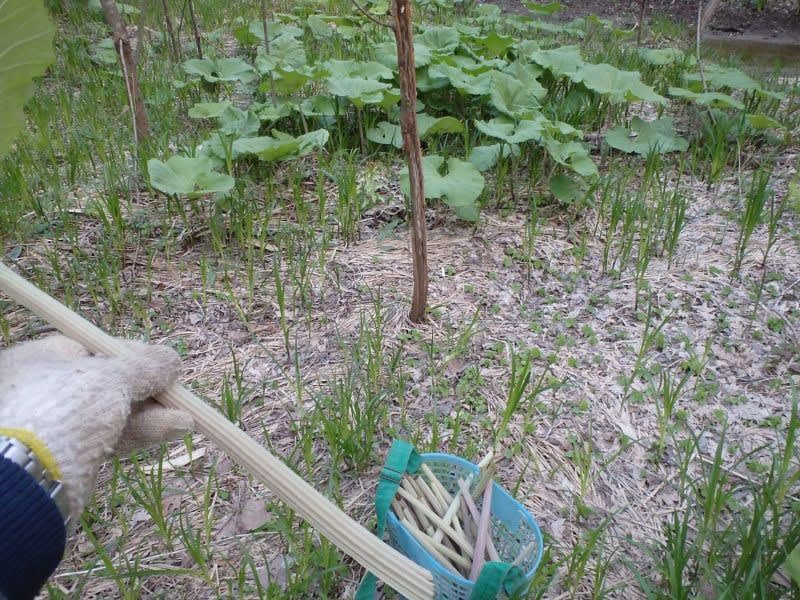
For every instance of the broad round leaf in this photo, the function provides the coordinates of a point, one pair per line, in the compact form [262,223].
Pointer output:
[620,86]
[26,50]
[566,189]
[572,155]
[510,131]
[562,61]
[706,98]
[223,69]
[208,110]
[428,125]
[465,83]
[359,91]
[386,54]
[441,40]
[514,98]
[645,137]
[459,187]
[387,134]
[484,158]
[186,175]
[762,121]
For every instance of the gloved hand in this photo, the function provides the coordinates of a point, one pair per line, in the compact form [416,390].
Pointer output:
[74,410]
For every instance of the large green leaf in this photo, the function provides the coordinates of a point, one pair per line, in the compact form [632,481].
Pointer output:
[619,86]
[494,44]
[645,137]
[571,154]
[26,50]
[280,146]
[722,77]
[252,33]
[428,125]
[484,158]
[359,91]
[288,80]
[762,121]
[512,132]
[237,122]
[561,61]
[515,98]
[441,40]
[566,189]
[389,134]
[385,133]
[706,98]
[192,177]
[337,69]
[386,54]
[221,69]
[104,52]
[524,71]
[285,51]
[208,110]
[460,186]
[465,83]
[318,106]
[272,111]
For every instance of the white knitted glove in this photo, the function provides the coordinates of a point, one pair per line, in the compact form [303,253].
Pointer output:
[74,410]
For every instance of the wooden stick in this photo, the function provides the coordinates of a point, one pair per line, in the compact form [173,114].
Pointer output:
[435,501]
[437,521]
[426,543]
[402,511]
[483,532]
[436,484]
[473,510]
[388,564]
[448,517]
[451,554]
[408,485]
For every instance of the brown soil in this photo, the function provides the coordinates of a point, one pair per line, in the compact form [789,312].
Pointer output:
[778,19]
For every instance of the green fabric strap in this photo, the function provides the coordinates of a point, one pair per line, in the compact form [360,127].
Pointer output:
[494,577]
[402,459]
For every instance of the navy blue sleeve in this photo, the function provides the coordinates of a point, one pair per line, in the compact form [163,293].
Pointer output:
[32,534]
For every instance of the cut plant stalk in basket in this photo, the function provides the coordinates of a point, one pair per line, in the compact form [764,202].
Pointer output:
[483,533]
[391,566]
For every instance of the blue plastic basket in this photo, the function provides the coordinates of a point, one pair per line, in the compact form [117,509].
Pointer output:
[512,527]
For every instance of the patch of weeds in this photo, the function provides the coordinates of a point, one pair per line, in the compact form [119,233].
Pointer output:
[730,537]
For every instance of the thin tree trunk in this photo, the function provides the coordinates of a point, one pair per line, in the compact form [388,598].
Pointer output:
[176,48]
[401,14]
[196,30]
[141,128]
[265,23]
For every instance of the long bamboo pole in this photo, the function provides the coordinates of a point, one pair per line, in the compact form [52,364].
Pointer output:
[398,571]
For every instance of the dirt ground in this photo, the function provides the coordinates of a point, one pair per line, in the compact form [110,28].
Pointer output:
[779,18]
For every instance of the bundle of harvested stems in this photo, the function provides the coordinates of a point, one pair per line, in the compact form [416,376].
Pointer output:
[453,527]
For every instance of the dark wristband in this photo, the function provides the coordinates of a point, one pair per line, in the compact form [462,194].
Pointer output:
[32,533]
